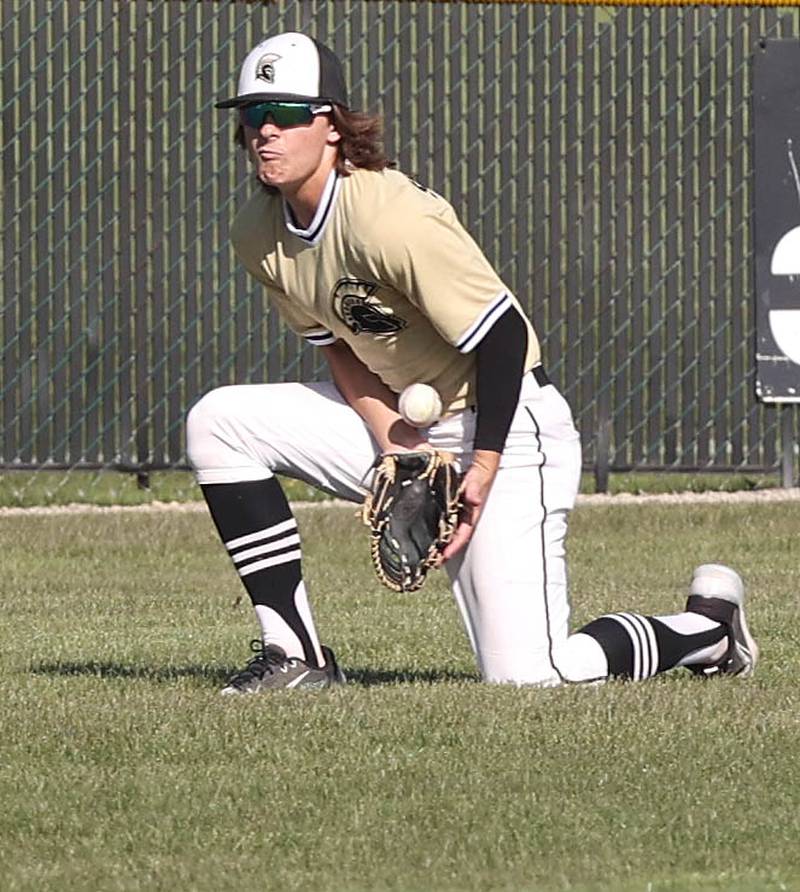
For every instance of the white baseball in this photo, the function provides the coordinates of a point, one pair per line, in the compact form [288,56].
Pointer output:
[420,405]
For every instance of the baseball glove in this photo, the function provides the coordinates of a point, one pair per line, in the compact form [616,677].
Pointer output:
[412,512]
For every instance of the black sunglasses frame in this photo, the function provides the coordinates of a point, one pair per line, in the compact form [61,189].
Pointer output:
[283,114]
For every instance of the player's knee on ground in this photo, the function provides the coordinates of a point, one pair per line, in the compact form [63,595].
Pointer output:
[580,659]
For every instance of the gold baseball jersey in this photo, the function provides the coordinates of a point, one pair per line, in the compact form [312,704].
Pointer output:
[386,267]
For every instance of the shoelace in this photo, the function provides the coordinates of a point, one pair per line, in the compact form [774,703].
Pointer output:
[265,663]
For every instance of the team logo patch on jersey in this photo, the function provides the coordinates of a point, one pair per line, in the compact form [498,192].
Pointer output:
[265,70]
[355,303]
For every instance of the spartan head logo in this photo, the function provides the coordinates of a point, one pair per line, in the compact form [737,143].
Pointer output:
[265,70]
[355,303]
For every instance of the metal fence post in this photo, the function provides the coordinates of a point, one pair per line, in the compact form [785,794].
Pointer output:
[787,446]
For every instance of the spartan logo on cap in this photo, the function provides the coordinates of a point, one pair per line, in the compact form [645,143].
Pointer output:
[355,304]
[265,70]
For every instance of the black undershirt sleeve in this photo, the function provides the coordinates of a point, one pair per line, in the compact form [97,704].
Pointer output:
[500,359]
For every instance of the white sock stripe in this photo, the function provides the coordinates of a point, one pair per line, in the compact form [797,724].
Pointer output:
[270,562]
[640,641]
[275,545]
[643,628]
[275,630]
[304,611]
[266,533]
[651,637]
[647,650]
[688,623]
[647,639]
[636,640]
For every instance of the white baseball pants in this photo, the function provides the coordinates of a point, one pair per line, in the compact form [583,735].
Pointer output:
[510,583]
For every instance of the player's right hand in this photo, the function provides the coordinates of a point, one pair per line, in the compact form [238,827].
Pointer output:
[474,491]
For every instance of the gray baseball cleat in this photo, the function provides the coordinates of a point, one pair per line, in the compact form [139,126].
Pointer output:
[272,670]
[718,593]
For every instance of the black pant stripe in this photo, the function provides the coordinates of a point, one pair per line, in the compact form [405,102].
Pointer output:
[537,434]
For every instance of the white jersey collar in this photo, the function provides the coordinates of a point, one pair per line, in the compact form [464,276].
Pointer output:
[328,199]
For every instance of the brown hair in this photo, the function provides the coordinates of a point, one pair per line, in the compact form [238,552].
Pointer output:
[361,143]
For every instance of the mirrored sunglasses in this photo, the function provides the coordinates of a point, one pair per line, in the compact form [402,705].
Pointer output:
[283,114]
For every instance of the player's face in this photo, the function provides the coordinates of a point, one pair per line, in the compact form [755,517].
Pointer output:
[288,154]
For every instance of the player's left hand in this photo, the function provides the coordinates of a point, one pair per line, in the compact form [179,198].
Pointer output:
[475,488]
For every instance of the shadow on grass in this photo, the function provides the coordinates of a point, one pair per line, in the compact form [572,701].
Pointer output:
[118,670]
[367,677]
[363,676]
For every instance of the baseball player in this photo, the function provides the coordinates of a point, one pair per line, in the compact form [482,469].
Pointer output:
[376,272]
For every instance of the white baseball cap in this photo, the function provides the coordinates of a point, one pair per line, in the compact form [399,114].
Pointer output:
[290,67]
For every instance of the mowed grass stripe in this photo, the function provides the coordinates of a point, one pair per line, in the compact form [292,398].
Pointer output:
[122,768]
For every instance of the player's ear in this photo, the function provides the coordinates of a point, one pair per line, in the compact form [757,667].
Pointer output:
[334,136]
[241,141]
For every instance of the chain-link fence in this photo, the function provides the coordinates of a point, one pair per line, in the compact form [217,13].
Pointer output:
[601,156]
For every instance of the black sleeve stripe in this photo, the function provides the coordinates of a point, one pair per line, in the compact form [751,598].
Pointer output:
[477,331]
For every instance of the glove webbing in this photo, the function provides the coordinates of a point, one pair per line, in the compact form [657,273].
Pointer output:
[376,514]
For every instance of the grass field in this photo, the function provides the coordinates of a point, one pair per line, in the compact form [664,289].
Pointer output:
[123,769]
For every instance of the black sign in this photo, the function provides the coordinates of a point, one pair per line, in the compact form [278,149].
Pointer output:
[776,104]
